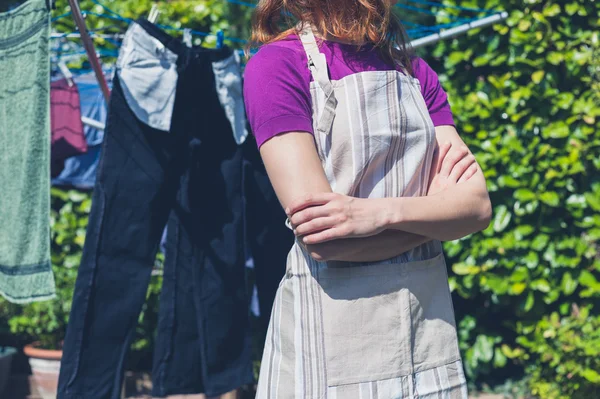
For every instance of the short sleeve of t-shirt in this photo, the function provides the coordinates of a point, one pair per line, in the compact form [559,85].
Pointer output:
[433,93]
[277,92]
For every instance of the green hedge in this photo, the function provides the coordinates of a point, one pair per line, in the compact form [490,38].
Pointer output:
[526,98]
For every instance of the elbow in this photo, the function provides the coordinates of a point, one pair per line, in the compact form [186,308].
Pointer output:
[318,257]
[319,253]
[483,214]
[327,252]
[479,219]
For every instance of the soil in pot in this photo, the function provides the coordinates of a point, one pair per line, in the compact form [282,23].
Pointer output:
[45,366]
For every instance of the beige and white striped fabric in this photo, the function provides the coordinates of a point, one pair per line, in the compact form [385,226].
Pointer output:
[378,330]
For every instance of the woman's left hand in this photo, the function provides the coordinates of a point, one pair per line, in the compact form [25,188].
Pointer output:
[325,217]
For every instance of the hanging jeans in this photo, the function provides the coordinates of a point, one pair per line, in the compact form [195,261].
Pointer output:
[172,158]
[267,237]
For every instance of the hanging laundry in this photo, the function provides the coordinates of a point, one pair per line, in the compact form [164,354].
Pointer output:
[25,270]
[229,88]
[169,155]
[80,171]
[65,120]
[267,237]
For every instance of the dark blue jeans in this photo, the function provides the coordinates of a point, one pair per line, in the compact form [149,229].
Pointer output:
[267,237]
[192,178]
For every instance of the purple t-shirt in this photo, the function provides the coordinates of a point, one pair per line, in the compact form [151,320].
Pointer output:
[277,85]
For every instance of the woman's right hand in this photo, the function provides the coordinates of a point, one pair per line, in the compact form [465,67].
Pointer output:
[451,165]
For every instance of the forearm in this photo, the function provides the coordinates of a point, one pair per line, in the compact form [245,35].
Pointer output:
[385,245]
[451,214]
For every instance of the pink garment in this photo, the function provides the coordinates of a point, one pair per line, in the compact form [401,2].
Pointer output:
[277,85]
[68,138]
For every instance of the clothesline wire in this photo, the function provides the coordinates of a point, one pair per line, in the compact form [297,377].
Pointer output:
[111,14]
[453,7]
[424,2]
[415,31]
[419,27]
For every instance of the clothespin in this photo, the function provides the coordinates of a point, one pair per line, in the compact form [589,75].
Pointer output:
[154,12]
[187,37]
[66,72]
[220,39]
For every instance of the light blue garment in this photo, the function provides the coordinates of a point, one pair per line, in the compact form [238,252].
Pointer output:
[228,80]
[80,171]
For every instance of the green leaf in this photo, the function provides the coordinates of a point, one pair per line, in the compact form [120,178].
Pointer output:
[552,10]
[532,260]
[529,302]
[540,242]
[502,218]
[523,231]
[572,8]
[556,130]
[518,288]
[550,198]
[586,278]
[484,348]
[524,195]
[568,284]
[463,269]
[591,375]
[541,285]
[537,76]
[593,201]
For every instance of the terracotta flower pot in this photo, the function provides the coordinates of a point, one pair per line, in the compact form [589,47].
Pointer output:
[6,354]
[45,366]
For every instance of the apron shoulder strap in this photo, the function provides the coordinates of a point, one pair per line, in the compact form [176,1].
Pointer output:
[317,63]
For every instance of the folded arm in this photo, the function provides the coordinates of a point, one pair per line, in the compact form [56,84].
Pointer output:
[295,171]
[450,214]
[457,204]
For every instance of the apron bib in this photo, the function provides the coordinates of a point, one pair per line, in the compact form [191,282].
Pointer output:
[385,329]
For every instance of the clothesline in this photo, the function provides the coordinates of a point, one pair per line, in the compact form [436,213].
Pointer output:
[417,29]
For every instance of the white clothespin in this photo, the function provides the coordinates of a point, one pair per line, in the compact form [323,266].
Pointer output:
[187,37]
[154,12]
[66,72]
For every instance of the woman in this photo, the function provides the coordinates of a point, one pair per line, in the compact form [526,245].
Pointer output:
[348,127]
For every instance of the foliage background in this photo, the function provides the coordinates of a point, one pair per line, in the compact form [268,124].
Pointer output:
[526,99]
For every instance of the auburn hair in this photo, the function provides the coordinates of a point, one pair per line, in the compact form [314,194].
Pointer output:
[354,21]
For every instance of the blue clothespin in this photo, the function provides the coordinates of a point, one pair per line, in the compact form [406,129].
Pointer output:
[220,39]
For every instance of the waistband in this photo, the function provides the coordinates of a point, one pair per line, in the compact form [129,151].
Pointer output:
[23,22]
[177,46]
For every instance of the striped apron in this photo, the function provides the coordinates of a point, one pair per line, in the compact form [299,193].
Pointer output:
[386,330]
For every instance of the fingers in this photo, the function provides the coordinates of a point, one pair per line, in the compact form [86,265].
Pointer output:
[461,167]
[309,200]
[454,155]
[468,173]
[334,233]
[309,214]
[315,226]
[443,151]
